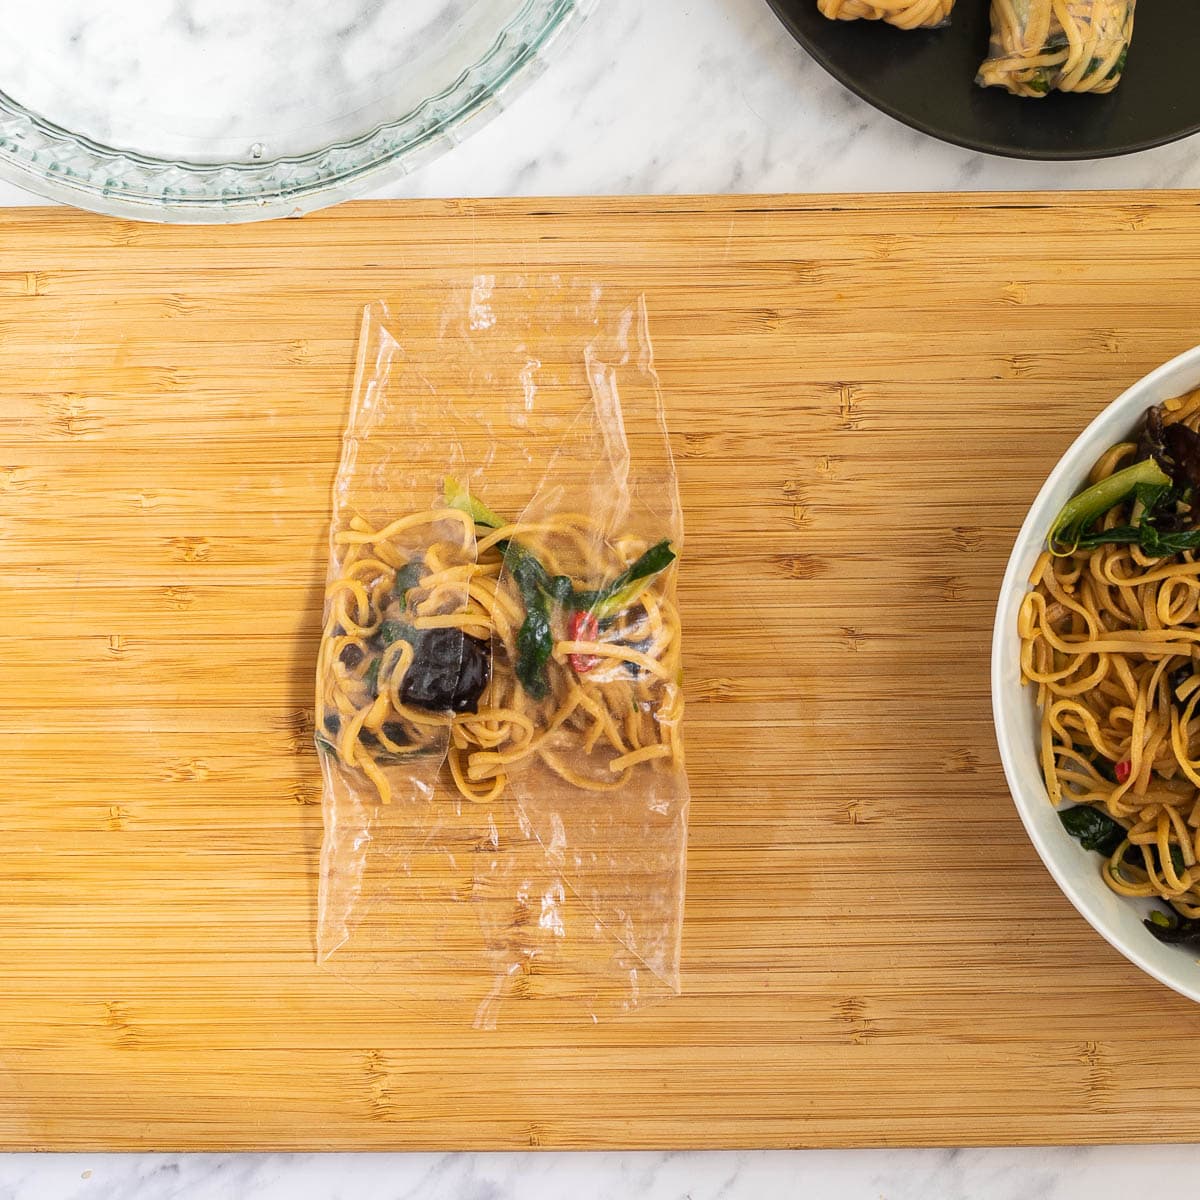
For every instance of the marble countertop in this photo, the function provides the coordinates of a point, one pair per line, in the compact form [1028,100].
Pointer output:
[714,96]
[660,97]
[1102,1173]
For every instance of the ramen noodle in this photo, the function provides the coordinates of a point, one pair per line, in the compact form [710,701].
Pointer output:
[906,14]
[1040,46]
[1110,637]
[521,639]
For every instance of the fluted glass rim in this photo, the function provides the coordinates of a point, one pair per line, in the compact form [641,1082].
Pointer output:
[44,158]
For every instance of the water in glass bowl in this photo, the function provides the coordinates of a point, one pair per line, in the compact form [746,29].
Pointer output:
[218,81]
[229,110]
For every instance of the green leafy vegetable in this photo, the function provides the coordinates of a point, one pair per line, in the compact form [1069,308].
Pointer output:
[1151,541]
[523,565]
[1070,527]
[535,639]
[1133,857]
[627,586]
[1096,830]
[535,642]
[560,589]
[1158,507]
[539,590]
[395,631]
[458,496]
[1147,497]
[371,678]
[408,576]
[1174,929]
[325,747]
[1093,829]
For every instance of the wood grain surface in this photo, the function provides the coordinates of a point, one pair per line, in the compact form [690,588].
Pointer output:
[864,395]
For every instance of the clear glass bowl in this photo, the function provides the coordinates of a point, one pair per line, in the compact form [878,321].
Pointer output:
[223,111]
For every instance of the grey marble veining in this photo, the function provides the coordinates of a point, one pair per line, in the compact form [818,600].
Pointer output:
[656,96]
[1106,1173]
[714,96]
[665,97]
[208,80]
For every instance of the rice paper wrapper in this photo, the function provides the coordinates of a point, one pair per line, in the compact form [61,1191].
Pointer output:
[506,502]
[1040,46]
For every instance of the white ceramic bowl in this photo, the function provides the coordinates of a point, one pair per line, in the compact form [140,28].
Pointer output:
[1076,870]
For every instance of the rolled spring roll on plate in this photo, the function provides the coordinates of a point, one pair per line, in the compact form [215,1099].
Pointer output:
[1039,46]
[907,14]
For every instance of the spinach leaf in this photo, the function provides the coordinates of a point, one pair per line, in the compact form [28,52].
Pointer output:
[561,590]
[1173,928]
[1150,496]
[1094,830]
[522,565]
[535,640]
[1070,527]
[626,587]
[1152,541]
[1133,857]
[1097,831]
[408,576]
[1160,484]
[371,678]
[539,589]
[395,631]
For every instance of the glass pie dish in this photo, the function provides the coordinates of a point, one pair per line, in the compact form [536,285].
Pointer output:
[215,111]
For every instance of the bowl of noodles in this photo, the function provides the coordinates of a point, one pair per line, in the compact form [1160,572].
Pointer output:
[1096,673]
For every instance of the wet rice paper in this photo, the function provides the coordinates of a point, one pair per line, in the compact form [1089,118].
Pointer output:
[906,14]
[1039,46]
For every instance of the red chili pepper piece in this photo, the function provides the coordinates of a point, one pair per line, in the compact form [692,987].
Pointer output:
[583,627]
[1122,770]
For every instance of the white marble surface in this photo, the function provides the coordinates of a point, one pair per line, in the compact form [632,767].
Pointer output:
[658,96]
[675,96]
[1106,1173]
[715,96]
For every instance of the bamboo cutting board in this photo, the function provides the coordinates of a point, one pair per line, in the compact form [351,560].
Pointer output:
[864,395]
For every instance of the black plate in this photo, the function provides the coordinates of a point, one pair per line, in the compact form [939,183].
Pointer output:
[926,78]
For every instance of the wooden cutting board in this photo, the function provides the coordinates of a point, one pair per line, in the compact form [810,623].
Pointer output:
[864,395]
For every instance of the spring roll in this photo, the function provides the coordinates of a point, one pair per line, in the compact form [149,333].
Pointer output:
[1039,46]
[907,14]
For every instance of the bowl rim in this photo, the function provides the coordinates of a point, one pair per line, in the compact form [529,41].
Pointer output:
[48,160]
[1034,528]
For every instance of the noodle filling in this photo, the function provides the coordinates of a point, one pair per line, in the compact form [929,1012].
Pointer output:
[1110,637]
